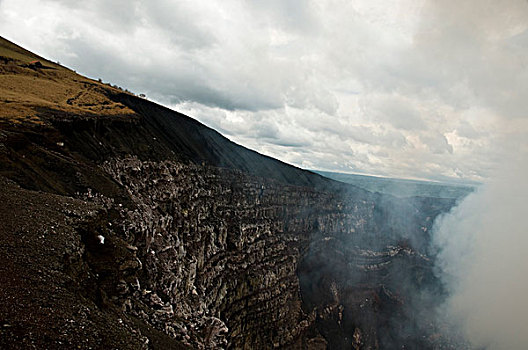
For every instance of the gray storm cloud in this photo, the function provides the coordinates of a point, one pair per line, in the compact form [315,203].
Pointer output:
[402,88]
[483,260]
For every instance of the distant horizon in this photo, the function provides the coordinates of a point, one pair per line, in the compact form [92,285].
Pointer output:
[447,181]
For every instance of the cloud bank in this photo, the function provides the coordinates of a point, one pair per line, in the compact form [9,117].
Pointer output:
[419,89]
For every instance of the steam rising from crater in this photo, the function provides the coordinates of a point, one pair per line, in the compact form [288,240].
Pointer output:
[483,260]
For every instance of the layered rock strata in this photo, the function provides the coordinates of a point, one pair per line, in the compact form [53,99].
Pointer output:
[127,225]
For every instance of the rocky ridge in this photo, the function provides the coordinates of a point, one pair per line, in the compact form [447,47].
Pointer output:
[160,233]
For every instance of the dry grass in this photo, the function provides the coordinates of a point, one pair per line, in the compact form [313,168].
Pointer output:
[25,89]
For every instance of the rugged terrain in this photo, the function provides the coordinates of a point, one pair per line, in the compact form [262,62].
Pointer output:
[127,225]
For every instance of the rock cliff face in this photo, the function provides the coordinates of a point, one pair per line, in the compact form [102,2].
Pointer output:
[220,251]
[145,229]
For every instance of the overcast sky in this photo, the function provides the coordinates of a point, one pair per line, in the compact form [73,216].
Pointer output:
[410,88]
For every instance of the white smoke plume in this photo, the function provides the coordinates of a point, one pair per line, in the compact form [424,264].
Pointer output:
[483,260]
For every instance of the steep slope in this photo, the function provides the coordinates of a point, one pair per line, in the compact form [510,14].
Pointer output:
[199,143]
[54,97]
[146,229]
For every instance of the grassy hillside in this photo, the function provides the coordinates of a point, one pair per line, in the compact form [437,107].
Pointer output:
[46,104]
[26,88]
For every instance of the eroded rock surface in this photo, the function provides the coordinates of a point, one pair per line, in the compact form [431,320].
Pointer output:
[220,251]
[131,226]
